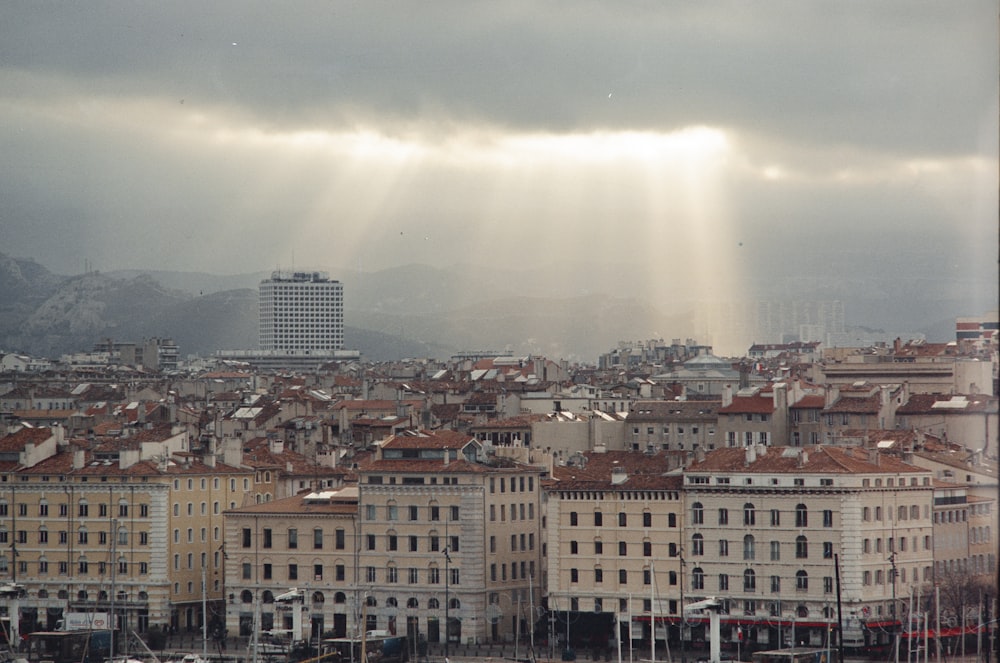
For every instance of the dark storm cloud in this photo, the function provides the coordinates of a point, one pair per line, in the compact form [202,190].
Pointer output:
[910,77]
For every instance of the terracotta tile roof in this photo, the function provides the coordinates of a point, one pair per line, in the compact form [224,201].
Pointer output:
[360,404]
[257,454]
[665,410]
[642,471]
[810,401]
[424,439]
[17,441]
[852,405]
[760,404]
[924,404]
[788,460]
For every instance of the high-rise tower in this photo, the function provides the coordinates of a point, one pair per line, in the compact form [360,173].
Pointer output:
[301,312]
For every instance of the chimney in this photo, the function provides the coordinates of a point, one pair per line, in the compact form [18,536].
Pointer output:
[79,459]
[727,395]
[618,476]
[209,460]
[699,455]
[803,458]
[751,456]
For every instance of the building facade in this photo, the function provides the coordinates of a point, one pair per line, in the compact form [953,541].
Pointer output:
[301,311]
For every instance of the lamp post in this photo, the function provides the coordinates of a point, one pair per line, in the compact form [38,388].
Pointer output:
[447,621]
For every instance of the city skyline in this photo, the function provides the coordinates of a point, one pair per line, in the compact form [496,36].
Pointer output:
[704,149]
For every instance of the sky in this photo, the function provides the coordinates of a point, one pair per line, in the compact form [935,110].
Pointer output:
[701,144]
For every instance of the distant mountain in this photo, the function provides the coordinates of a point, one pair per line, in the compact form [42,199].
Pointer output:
[426,311]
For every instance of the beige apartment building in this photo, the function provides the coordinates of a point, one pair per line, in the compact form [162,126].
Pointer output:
[99,530]
[766,529]
[615,528]
[451,541]
[307,544]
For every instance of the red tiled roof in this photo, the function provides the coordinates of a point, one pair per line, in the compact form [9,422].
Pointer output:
[829,460]
[440,439]
[810,402]
[749,405]
[850,405]
[17,441]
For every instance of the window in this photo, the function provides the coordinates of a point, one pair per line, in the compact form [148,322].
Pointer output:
[598,519]
[723,516]
[598,573]
[749,581]
[749,516]
[698,579]
[802,581]
[317,539]
[827,550]
[622,549]
[775,584]
[413,512]
[245,539]
[574,575]
[775,518]
[723,582]
[723,548]
[697,514]
[267,538]
[339,540]
[293,571]
[572,519]
[827,518]
[647,519]
[801,516]
[622,519]
[647,549]
[293,539]
[748,547]
[697,545]
[827,585]
[801,547]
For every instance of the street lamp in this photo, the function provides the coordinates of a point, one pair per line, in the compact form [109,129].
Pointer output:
[447,621]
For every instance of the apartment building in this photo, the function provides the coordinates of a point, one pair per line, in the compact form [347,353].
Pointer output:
[301,311]
[307,543]
[765,528]
[451,540]
[99,530]
[614,546]
[666,425]
[754,416]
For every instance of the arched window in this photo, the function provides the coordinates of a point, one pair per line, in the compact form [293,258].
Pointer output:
[412,603]
[371,602]
[749,551]
[697,514]
[340,597]
[749,515]
[454,604]
[267,596]
[698,579]
[802,581]
[246,596]
[801,547]
[749,581]
[801,516]
[391,602]
[433,604]
[318,598]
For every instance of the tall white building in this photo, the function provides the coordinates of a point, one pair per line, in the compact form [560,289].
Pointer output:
[301,311]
